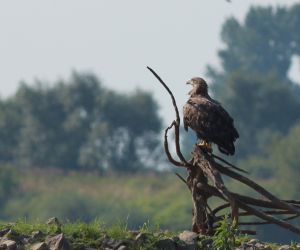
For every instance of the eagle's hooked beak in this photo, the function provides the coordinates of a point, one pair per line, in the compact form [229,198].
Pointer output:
[189,82]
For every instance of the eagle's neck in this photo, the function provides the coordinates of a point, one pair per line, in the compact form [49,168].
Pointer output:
[199,92]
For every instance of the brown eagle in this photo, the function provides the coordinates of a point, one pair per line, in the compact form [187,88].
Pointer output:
[209,119]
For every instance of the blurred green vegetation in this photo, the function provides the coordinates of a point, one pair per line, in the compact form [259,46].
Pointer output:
[158,197]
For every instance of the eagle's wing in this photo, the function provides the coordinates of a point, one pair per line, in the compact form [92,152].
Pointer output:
[211,122]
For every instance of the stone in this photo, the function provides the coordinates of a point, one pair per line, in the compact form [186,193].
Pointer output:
[165,244]
[260,245]
[39,246]
[188,236]
[175,238]
[113,243]
[123,248]
[246,246]
[36,235]
[58,242]
[206,242]
[185,246]
[253,241]
[53,221]
[284,247]
[9,244]
[141,238]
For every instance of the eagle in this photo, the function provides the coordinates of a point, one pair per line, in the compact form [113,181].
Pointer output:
[208,119]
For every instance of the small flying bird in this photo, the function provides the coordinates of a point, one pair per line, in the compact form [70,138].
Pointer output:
[208,119]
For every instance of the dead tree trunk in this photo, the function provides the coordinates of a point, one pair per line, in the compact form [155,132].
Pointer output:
[204,168]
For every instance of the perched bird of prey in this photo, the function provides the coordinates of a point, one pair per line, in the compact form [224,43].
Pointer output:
[208,119]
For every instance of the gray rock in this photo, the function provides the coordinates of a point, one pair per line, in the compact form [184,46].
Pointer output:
[175,238]
[39,246]
[185,246]
[284,247]
[113,243]
[253,241]
[123,248]
[9,244]
[165,244]
[246,246]
[141,238]
[260,245]
[188,237]
[206,242]
[58,242]
[53,221]
[36,235]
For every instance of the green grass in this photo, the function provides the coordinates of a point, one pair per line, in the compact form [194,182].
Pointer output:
[82,235]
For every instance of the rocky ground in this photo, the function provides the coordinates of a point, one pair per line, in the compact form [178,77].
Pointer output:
[11,239]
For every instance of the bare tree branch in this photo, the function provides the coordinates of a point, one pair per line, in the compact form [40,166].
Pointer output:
[177,125]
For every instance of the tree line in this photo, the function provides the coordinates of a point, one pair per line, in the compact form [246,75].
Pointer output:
[79,124]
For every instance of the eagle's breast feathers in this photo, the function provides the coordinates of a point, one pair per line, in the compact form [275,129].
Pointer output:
[211,122]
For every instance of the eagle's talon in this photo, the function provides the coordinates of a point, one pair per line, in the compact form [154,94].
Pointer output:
[205,145]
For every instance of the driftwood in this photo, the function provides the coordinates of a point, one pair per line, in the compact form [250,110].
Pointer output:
[205,171]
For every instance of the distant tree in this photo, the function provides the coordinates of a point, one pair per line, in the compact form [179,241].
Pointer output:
[124,135]
[10,123]
[78,124]
[253,82]
[42,116]
[264,43]
[261,106]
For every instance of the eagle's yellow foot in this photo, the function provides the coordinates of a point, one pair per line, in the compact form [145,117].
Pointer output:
[207,146]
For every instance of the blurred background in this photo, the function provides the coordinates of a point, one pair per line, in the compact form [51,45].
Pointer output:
[81,118]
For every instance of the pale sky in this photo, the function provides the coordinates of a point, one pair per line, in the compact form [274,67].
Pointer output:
[116,40]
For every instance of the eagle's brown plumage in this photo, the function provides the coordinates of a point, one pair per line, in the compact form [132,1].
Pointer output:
[208,118]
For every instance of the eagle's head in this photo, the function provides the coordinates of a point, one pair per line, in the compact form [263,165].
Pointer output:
[199,86]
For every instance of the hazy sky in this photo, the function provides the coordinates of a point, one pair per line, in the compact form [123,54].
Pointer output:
[114,39]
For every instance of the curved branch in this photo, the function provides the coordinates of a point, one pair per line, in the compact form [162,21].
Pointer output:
[166,145]
[177,125]
[169,91]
